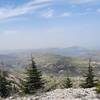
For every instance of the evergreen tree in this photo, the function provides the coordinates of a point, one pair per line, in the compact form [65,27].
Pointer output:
[89,81]
[5,85]
[33,80]
[67,83]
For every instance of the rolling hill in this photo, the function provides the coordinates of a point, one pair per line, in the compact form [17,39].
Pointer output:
[73,60]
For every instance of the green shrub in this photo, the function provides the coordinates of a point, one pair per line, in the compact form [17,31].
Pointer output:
[67,83]
[98,87]
[51,83]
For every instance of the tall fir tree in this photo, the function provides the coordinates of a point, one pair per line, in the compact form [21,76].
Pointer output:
[5,85]
[33,80]
[89,81]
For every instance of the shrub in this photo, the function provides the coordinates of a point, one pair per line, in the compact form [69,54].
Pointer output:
[51,83]
[67,83]
[98,87]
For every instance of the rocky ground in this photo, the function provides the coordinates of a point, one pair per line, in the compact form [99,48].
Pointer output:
[63,94]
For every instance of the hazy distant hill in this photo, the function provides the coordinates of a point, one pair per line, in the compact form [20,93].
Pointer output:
[70,51]
[48,63]
[72,60]
[74,51]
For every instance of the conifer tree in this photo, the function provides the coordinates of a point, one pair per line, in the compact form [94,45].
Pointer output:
[89,81]
[67,83]
[33,80]
[5,85]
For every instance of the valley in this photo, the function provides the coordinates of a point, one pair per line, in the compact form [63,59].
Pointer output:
[49,61]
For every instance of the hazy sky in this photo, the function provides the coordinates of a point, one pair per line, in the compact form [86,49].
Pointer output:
[49,23]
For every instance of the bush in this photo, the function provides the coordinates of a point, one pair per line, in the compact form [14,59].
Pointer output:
[67,83]
[98,87]
[51,83]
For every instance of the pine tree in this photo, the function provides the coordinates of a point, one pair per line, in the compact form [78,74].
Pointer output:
[5,85]
[33,80]
[89,81]
[67,83]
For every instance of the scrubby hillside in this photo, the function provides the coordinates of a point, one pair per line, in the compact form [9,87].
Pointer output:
[48,63]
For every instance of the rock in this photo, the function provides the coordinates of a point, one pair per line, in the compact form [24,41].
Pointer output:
[63,94]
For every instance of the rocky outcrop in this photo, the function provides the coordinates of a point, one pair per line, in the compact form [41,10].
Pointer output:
[63,94]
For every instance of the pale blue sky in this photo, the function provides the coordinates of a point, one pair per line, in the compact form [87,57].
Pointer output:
[31,24]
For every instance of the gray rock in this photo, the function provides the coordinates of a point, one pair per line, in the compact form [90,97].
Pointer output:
[63,94]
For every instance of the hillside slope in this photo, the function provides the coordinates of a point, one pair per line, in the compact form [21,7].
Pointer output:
[49,63]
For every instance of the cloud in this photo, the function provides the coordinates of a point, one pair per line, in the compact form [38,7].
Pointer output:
[23,9]
[33,5]
[72,14]
[82,1]
[66,14]
[51,14]
[47,14]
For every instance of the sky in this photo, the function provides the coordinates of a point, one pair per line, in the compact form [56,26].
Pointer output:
[32,24]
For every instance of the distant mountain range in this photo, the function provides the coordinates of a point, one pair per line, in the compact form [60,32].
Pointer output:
[70,51]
